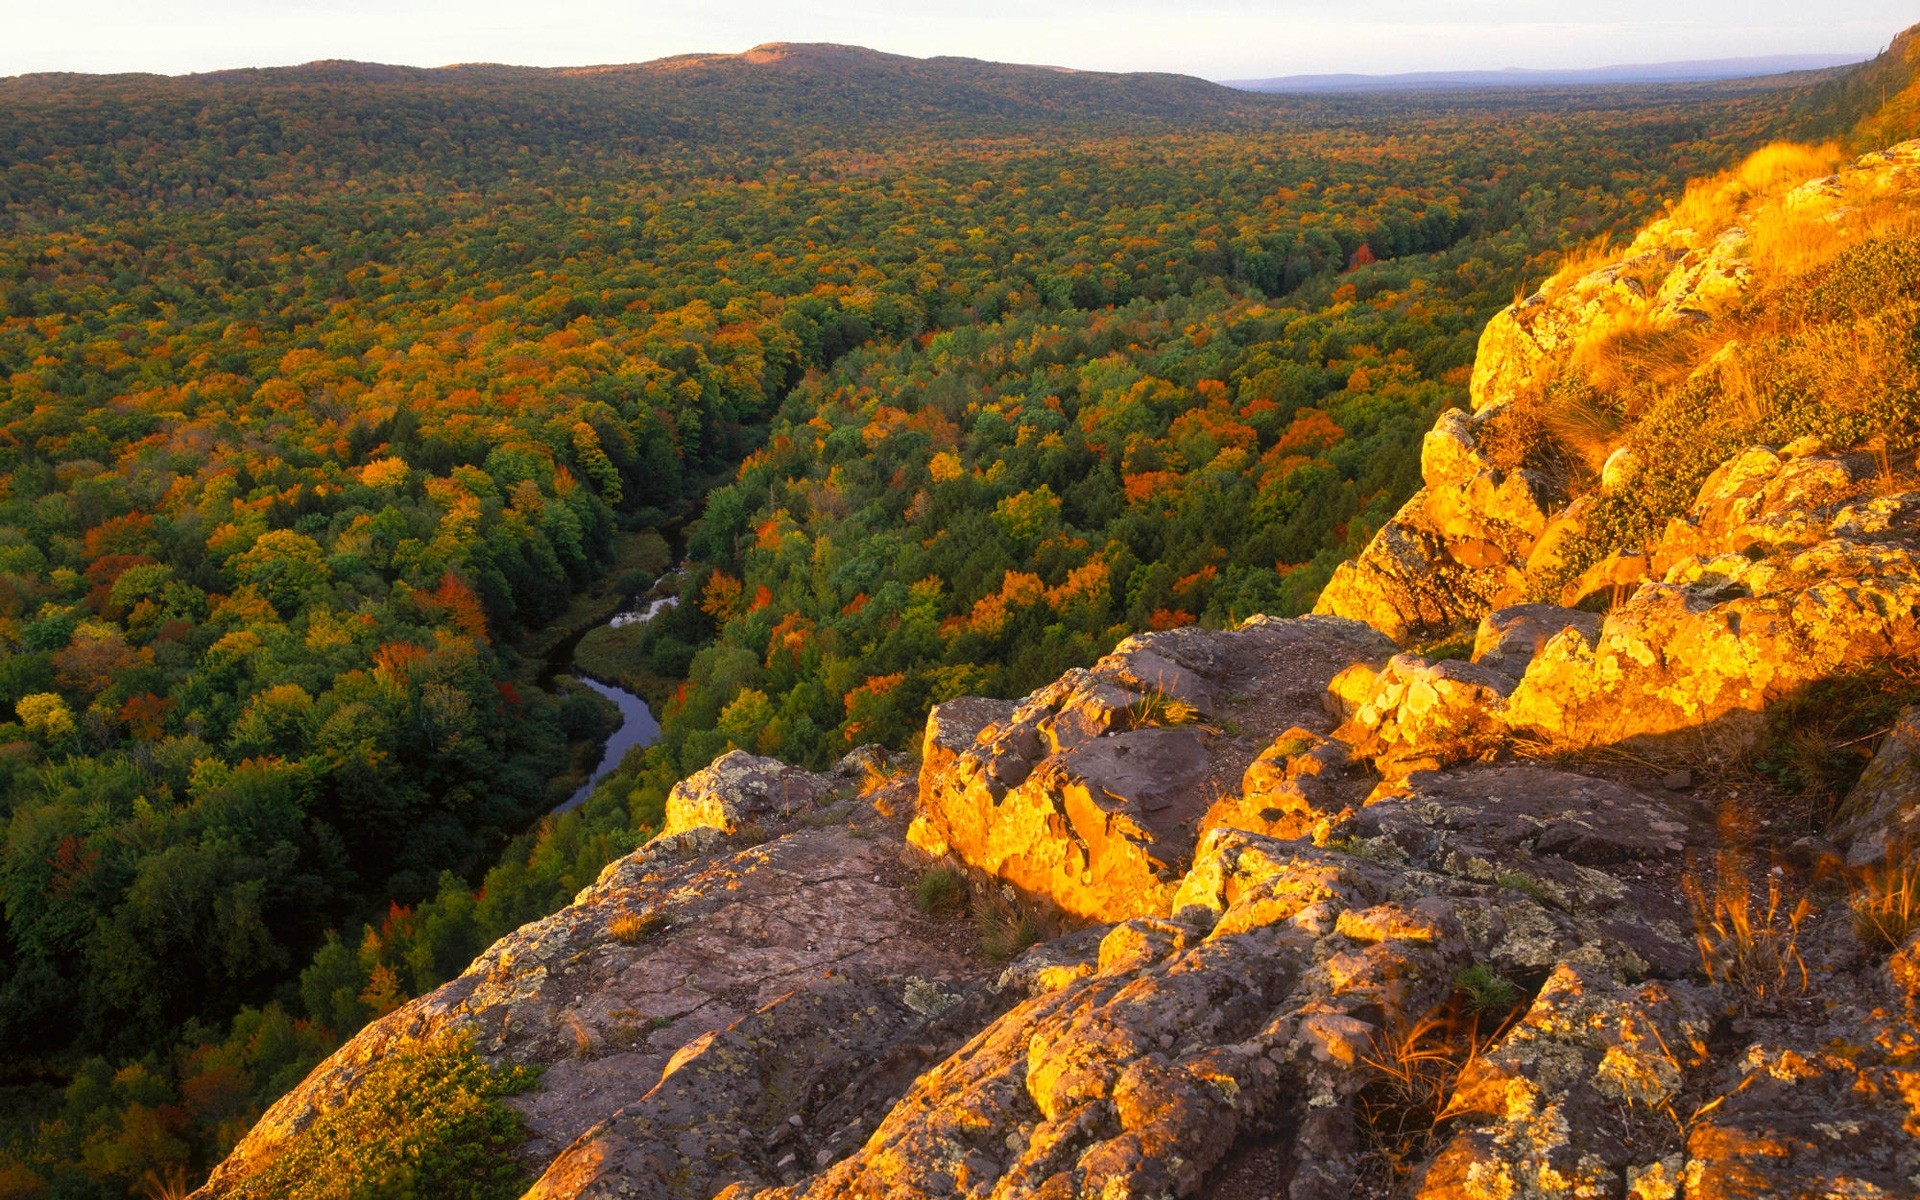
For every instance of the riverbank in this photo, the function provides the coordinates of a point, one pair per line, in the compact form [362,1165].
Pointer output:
[639,557]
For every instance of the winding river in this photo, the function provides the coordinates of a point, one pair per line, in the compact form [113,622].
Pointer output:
[637,724]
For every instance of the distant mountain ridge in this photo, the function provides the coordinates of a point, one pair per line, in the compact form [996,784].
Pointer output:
[1696,71]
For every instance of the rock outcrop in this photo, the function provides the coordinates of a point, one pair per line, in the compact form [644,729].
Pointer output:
[1457,549]
[1087,796]
[1477,537]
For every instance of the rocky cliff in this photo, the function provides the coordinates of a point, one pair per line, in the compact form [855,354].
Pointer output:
[1317,915]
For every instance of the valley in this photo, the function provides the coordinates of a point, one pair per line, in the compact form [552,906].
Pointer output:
[339,403]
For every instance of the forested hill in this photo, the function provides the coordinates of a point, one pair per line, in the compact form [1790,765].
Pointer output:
[320,388]
[483,122]
[278,132]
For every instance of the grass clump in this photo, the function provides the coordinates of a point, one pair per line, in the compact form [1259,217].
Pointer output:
[940,888]
[1886,900]
[632,928]
[1485,990]
[1748,946]
[1414,1070]
[1158,709]
[1004,930]
[425,1121]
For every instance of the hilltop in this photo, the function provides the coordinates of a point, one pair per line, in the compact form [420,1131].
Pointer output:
[1565,850]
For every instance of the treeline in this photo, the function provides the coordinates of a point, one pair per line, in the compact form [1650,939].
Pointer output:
[318,390]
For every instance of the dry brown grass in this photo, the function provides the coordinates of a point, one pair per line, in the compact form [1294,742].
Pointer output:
[1415,1069]
[583,1042]
[1711,205]
[1786,241]
[1749,948]
[166,1183]
[1003,927]
[632,928]
[1886,899]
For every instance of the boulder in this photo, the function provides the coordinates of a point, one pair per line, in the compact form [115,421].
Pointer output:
[1881,815]
[1421,713]
[1509,638]
[738,788]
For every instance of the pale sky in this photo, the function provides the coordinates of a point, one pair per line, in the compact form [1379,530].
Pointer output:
[1216,39]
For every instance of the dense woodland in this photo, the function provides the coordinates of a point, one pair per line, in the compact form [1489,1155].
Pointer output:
[321,388]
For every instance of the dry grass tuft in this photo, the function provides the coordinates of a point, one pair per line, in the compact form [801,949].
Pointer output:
[940,888]
[1750,949]
[1157,709]
[1003,928]
[1886,899]
[632,928]
[583,1042]
[1415,1069]
[169,1183]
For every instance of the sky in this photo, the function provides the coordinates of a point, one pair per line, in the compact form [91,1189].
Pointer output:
[1215,39]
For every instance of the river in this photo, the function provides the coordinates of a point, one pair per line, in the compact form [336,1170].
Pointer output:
[637,724]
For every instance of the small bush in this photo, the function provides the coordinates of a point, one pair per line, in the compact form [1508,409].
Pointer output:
[940,888]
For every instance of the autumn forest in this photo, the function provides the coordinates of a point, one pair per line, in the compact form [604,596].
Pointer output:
[332,398]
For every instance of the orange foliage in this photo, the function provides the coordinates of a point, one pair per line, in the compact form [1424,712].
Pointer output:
[1144,485]
[720,599]
[1198,579]
[463,605]
[128,535]
[877,685]
[1311,432]
[395,661]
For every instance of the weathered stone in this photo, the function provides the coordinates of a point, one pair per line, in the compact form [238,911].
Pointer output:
[738,787]
[1428,714]
[1882,812]
[1722,637]
[663,949]
[731,1106]
[1562,850]
[1539,1114]
[1508,638]
[1082,799]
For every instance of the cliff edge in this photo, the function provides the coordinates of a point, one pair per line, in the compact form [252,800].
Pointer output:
[1512,872]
